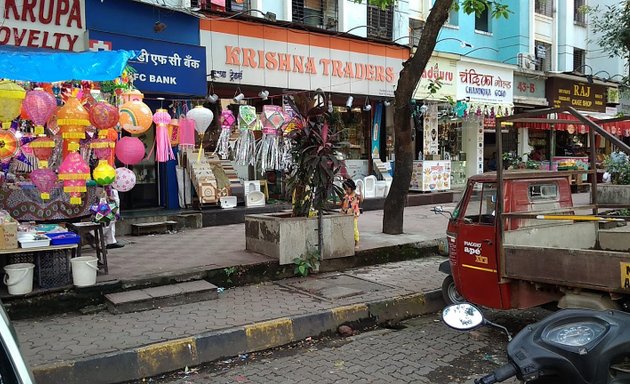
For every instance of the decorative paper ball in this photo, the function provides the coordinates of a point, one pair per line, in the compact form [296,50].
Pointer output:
[104,115]
[135,117]
[11,96]
[161,117]
[39,106]
[129,150]
[104,174]
[202,117]
[125,180]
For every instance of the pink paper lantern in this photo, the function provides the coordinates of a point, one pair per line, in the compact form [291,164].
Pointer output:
[130,150]
[74,172]
[125,180]
[161,116]
[103,116]
[102,147]
[39,106]
[163,150]
[44,179]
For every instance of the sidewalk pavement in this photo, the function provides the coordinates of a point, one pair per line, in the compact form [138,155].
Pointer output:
[224,246]
[107,348]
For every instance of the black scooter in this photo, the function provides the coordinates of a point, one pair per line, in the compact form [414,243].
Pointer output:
[572,346]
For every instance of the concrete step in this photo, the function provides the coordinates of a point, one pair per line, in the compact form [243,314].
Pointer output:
[615,239]
[163,296]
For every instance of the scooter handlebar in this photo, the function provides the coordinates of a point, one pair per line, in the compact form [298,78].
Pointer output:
[501,374]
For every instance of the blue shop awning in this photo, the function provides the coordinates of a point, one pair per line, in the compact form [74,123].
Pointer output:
[49,66]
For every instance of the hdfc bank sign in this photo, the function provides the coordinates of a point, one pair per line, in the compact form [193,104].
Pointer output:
[49,24]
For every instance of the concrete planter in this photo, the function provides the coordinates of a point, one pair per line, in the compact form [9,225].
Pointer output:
[285,238]
[613,194]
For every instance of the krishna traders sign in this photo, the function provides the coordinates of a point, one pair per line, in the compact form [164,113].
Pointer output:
[246,53]
[484,83]
[48,24]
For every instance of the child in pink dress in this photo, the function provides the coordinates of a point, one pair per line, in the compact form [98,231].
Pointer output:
[350,206]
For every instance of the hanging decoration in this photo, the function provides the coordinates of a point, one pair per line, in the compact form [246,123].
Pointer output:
[246,143]
[74,172]
[104,174]
[163,151]
[186,132]
[202,117]
[39,106]
[8,145]
[11,96]
[223,143]
[173,132]
[104,212]
[42,148]
[130,150]
[44,179]
[135,115]
[125,180]
[103,116]
[72,118]
[272,119]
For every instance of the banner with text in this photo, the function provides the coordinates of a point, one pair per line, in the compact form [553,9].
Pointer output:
[439,75]
[484,83]
[161,67]
[248,53]
[48,24]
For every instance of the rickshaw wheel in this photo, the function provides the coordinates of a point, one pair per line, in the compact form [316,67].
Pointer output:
[449,292]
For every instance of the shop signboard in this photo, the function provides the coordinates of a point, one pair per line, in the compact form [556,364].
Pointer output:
[376,131]
[47,24]
[484,84]
[441,72]
[624,101]
[430,176]
[161,67]
[528,87]
[242,52]
[431,132]
[562,92]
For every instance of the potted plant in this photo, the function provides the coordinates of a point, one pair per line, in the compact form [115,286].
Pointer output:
[310,184]
[617,191]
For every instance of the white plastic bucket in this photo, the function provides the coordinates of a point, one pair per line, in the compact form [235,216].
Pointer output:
[84,270]
[19,278]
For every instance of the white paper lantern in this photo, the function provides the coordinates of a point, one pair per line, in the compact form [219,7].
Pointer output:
[202,117]
[125,180]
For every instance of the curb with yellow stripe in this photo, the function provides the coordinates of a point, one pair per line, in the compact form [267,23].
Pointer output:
[176,354]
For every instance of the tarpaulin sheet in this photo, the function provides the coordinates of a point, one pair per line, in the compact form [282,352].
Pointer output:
[46,67]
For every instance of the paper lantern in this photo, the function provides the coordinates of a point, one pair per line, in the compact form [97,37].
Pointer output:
[163,150]
[173,132]
[104,174]
[11,96]
[102,147]
[135,117]
[42,149]
[44,179]
[130,150]
[39,106]
[9,145]
[103,116]
[125,180]
[202,117]
[72,118]
[74,172]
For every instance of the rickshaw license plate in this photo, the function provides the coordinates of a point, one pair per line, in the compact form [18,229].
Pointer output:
[625,275]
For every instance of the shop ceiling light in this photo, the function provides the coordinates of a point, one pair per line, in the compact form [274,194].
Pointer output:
[367,106]
[264,94]
[238,95]
[387,103]
[330,106]
[349,101]
[213,98]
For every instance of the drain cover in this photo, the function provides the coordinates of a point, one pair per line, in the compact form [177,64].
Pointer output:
[336,287]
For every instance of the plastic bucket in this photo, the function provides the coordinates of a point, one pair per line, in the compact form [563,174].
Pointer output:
[19,278]
[84,270]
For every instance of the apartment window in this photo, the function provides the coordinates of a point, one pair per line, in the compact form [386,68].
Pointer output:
[579,60]
[316,13]
[380,21]
[415,31]
[544,7]
[579,13]
[482,20]
[543,56]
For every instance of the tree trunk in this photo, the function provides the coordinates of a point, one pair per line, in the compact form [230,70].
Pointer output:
[404,149]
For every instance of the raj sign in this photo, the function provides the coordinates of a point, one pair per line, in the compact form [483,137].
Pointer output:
[48,24]
[484,83]
[271,56]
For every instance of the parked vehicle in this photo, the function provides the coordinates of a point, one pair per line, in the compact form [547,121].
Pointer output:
[572,346]
[539,251]
[13,368]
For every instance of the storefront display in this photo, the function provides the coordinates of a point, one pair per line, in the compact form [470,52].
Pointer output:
[431,176]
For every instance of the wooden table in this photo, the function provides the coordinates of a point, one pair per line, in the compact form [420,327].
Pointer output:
[42,264]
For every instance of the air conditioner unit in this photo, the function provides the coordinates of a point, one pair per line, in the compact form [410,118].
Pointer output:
[527,61]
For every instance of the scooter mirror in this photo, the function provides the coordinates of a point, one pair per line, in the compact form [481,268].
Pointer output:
[463,317]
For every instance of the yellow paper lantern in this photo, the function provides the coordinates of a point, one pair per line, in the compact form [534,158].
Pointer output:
[11,96]
[104,174]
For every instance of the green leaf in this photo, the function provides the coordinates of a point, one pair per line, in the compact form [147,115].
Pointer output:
[302,270]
